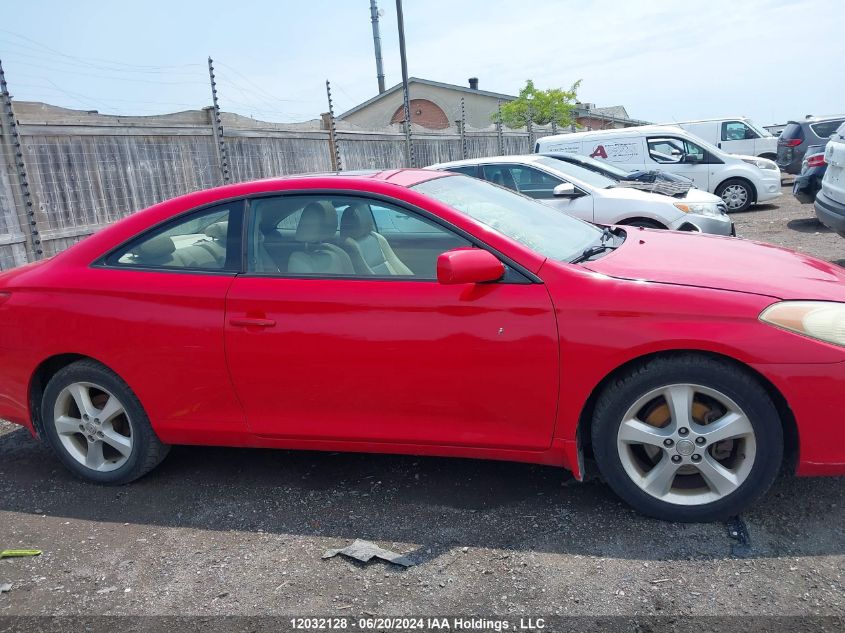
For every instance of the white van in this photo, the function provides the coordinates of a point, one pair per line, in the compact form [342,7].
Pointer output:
[738,135]
[739,180]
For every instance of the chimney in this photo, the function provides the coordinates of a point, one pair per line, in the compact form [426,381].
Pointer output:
[473,83]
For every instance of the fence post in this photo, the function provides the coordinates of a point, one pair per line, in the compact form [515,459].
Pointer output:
[530,126]
[500,137]
[333,143]
[554,119]
[10,141]
[217,127]
[463,130]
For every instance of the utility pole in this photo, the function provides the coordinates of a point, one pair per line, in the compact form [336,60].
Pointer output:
[10,144]
[217,127]
[374,15]
[336,164]
[409,149]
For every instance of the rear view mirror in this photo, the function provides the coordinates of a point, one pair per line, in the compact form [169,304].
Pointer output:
[468,266]
[565,190]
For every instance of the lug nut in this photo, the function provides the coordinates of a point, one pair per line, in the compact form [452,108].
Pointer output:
[85,416]
[668,442]
[700,441]
[696,458]
[683,431]
[676,459]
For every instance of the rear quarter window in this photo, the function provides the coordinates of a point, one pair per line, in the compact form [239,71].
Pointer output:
[824,129]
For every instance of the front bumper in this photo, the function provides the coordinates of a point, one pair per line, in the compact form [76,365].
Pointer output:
[830,213]
[768,188]
[714,225]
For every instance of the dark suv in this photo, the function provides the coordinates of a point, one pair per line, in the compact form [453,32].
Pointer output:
[797,136]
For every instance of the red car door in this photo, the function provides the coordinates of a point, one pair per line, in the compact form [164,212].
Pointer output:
[332,336]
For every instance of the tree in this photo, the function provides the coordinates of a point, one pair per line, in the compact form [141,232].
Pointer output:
[542,105]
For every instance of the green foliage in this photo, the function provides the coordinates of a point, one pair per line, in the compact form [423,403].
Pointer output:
[542,105]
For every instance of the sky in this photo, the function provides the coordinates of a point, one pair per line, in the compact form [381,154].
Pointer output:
[771,60]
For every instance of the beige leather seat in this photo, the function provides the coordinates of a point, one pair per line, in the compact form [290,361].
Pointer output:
[315,253]
[370,252]
[161,251]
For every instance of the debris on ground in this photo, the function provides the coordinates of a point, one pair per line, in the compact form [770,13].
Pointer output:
[5,587]
[19,553]
[365,551]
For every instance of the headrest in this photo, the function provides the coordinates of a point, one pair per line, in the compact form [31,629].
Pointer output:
[318,223]
[158,247]
[218,230]
[356,222]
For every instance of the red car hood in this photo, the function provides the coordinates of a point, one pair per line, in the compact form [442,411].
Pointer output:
[723,263]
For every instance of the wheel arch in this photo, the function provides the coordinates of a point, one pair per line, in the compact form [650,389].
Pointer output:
[785,415]
[642,218]
[42,375]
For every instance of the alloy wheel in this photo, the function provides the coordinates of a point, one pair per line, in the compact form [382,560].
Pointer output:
[686,444]
[93,426]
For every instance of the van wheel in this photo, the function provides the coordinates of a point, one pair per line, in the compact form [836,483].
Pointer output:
[738,194]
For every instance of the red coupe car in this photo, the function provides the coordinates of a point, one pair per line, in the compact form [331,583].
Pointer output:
[429,313]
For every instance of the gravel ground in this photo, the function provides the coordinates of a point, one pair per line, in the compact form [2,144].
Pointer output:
[241,532]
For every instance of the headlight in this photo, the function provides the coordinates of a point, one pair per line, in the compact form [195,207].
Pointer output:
[761,163]
[822,320]
[702,208]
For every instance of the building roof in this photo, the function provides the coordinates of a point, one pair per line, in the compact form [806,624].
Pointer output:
[428,82]
[616,112]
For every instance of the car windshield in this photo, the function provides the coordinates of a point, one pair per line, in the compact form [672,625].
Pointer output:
[611,171]
[585,175]
[550,233]
[763,132]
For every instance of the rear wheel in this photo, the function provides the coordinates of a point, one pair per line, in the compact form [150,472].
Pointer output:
[97,427]
[687,438]
[737,194]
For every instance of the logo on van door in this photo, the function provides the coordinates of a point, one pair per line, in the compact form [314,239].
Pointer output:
[615,152]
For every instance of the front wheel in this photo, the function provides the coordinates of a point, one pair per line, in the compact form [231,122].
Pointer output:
[97,427]
[687,438]
[736,193]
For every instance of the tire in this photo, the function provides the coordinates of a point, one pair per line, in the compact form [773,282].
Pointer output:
[664,480]
[643,222]
[737,194]
[97,427]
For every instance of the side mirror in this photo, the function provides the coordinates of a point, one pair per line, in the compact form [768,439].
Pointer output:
[468,266]
[691,158]
[565,190]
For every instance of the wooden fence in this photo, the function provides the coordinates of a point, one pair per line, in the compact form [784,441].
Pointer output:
[84,170]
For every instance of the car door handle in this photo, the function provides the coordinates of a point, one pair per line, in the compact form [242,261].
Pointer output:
[250,322]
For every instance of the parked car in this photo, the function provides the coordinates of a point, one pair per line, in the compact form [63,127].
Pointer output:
[797,136]
[739,180]
[590,196]
[655,181]
[830,200]
[735,135]
[809,181]
[422,312]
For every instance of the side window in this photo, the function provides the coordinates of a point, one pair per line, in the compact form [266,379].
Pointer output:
[533,182]
[466,170]
[208,240]
[696,151]
[665,150]
[343,236]
[737,131]
[499,175]
[825,128]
